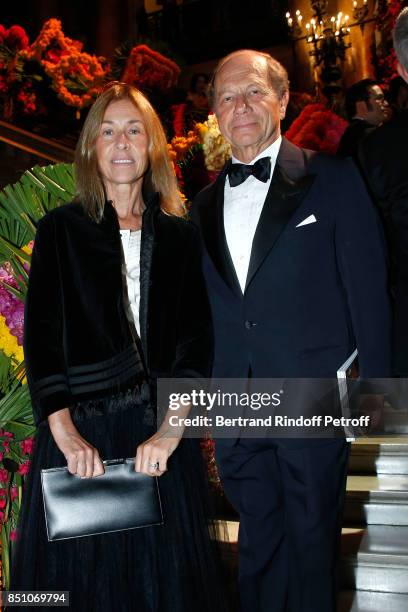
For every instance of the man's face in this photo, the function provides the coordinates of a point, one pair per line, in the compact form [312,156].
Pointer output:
[247,108]
[377,106]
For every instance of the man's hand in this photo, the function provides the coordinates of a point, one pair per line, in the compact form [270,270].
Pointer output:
[82,458]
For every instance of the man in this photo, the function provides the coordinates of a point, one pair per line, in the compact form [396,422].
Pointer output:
[294,263]
[384,160]
[366,109]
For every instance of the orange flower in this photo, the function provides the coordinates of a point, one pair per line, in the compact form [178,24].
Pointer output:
[67,66]
[181,145]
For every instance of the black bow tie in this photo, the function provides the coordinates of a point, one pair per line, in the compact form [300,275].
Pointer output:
[238,173]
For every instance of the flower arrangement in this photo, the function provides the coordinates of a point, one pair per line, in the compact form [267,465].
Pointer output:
[216,149]
[204,140]
[317,128]
[32,198]
[11,308]
[178,111]
[15,454]
[15,38]
[384,57]
[181,146]
[12,42]
[75,76]
[149,69]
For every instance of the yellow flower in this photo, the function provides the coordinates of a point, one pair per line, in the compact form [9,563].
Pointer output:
[8,342]
[217,151]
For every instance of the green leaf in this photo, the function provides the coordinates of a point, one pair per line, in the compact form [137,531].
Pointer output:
[5,555]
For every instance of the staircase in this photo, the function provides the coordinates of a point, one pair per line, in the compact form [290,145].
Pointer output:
[374,556]
[374,547]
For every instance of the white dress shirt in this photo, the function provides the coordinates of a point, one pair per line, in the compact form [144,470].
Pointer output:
[242,208]
[131,240]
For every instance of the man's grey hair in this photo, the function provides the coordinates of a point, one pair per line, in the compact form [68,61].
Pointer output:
[400,36]
[277,75]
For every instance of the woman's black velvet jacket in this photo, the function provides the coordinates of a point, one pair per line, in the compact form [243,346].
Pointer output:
[78,342]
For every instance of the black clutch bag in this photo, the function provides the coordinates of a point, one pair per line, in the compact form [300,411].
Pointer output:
[120,499]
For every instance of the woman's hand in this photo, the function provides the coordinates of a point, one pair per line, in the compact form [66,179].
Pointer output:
[82,458]
[155,452]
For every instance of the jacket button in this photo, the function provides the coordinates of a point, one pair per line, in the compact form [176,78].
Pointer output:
[249,324]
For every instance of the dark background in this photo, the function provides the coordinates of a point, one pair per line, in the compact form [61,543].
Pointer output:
[198,30]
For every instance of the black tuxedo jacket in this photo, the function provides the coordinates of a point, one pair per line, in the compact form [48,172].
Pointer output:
[353,136]
[314,291]
[384,160]
[78,342]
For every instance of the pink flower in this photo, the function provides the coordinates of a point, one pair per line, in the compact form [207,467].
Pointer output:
[3,475]
[8,434]
[13,493]
[27,446]
[3,502]
[13,535]
[6,446]
[24,468]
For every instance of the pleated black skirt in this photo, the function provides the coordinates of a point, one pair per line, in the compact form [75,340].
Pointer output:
[169,568]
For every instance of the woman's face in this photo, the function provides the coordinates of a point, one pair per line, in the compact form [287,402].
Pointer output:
[122,145]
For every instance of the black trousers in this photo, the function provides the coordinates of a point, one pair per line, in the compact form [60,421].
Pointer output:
[289,495]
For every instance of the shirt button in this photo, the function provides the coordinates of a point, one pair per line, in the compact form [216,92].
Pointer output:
[250,324]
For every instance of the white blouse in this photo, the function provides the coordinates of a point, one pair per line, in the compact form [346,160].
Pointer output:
[131,240]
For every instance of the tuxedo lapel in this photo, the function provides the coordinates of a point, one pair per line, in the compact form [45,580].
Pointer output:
[289,186]
[211,213]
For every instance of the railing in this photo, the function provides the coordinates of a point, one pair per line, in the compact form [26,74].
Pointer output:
[21,150]
[33,144]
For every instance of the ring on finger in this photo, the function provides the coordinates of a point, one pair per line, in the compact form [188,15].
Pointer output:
[154,466]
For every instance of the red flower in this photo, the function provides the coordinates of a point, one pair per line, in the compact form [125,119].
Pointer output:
[24,468]
[27,446]
[13,535]
[13,493]
[178,118]
[16,38]
[3,33]
[6,446]
[54,55]
[28,100]
[8,434]
[4,476]
[3,502]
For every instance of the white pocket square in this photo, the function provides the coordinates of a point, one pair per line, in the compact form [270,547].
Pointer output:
[310,219]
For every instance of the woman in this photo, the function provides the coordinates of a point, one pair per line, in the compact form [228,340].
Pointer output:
[90,298]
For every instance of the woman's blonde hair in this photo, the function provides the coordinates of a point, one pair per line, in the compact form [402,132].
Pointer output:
[160,176]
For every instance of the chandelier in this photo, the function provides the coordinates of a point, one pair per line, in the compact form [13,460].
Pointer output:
[327,36]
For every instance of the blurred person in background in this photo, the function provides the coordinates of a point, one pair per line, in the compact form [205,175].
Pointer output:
[384,160]
[366,109]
